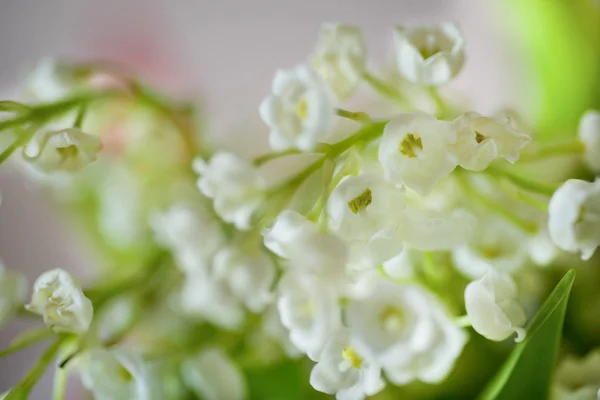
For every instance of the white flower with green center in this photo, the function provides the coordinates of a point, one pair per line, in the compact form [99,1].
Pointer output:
[212,375]
[60,301]
[364,211]
[574,217]
[406,331]
[429,55]
[480,140]
[493,307]
[299,110]
[13,289]
[589,135]
[578,378]
[344,372]
[340,57]
[308,308]
[235,185]
[416,150]
[248,272]
[116,375]
[494,244]
[65,150]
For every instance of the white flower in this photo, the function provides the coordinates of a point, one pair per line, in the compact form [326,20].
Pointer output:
[574,217]
[45,84]
[406,330]
[212,299]
[493,307]
[416,150]
[542,250]
[299,110]
[61,302]
[344,372]
[272,326]
[480,140]
[249,273]
[589,134]
[429,54]
[578,378]
[306,247]
[62,150]
[495,244]
[13,289]
[340,57]
[234,184]
[116,375]
[363,210]
[309,309]
[191,232]
[213,376]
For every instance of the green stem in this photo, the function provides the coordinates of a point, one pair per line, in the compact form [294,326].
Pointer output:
[80,116]
[26,339]
[274,155]
[463,321]
[385,90]
[357,116]
[574,147]
[522,182]
[21,390]
[440,104]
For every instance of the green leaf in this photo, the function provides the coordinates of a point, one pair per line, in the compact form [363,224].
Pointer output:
[528,371]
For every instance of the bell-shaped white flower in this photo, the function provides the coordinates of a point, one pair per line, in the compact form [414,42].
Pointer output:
[212,375]
[416,150]
[493,307]
[574,217]
[62,150]
[480,140]
[407,331]
[578,378]
[344,372]
[273,328]
[494,244]
[299,110]
[307,248]
[249,274]
[308,308]
[589,135]
[60,301]
[429,54]
[191,232]
[235,185]
[116,375]
[13,289]
[340,57]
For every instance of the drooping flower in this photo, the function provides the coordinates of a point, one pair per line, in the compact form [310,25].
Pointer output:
[308,308]
[13,289]
[62,150]
[344,372]
[116,375]
[212,375]
[589,134]
[429,54]
[340,57]
[299,110]
[480,140]
[60,301]
[235,185]
[405,330]
[493,307]
[574,217]
[578,378]
[416,150]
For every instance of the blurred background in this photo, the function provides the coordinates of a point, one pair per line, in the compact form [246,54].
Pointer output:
[539,57]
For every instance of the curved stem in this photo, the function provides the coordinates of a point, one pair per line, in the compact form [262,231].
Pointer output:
[522,182]
[357,116]
[574,147]
[274,155]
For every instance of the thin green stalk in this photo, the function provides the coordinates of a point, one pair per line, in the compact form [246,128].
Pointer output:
[385,90]
[463,321]
[574,147]
[27,339]
[357,116]
[522,182]
[274,155]
[440,104]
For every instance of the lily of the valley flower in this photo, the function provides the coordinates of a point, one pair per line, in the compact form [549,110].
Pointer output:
[589,134]
[574,217]
[344,372]
[493,308]
[63,150]
[13,289]
[406,331]
[578,378]
[429,54]
[416,150]
[480,140]
[234,184]
[60,301]
[299,110]
[340,57]
[212,375]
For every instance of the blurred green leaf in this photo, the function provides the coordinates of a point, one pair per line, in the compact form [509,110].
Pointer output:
[527,373]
